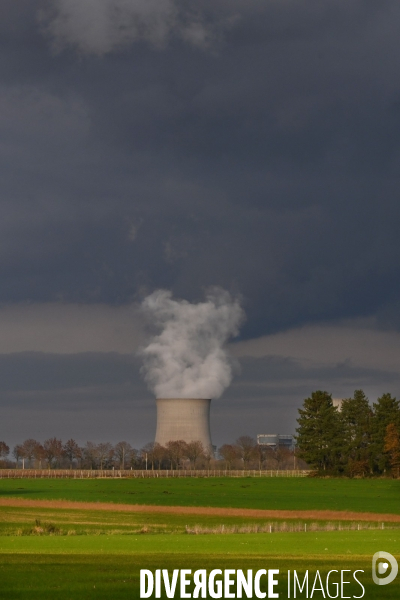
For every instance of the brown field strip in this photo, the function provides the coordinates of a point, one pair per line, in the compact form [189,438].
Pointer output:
[321,515]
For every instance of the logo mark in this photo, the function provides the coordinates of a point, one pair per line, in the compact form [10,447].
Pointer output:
[383,567]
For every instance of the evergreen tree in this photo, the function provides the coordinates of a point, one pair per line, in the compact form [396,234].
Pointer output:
[319,437]
[356,416]
[392,447]
[385,411]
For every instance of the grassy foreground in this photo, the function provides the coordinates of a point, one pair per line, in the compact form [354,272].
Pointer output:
[99,554]
[375,495]
[91,567]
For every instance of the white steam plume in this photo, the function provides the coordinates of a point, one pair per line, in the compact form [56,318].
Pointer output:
[101,26]
[187,359]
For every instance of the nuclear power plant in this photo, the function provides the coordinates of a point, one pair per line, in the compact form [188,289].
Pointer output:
[186,419]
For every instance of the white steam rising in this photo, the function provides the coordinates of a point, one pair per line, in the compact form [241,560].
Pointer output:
[187,359]
[101,26]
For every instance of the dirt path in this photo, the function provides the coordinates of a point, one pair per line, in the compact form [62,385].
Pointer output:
[321,515]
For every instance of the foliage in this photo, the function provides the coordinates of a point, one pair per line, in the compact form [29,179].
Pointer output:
[386,411]
[392,447]
[356,419]
[319,432]
[350,440]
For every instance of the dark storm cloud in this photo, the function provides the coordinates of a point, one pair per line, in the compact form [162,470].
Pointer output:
[180,144]
[264,160]
[265,163]
[36,371]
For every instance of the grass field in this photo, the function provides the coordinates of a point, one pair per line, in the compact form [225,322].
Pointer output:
[99,554]
[108,567]
[353,543]
[21,521]
[361,495]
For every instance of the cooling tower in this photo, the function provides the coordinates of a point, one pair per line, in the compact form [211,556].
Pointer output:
[186,419]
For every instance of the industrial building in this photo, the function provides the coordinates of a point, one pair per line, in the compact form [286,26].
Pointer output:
[276,440]
[186,419]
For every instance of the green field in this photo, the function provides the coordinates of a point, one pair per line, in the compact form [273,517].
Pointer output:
[23,521]
[353,543]
[89,554]
[108,567]
[361,495]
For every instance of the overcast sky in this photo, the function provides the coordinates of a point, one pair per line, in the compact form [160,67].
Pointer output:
[181,144]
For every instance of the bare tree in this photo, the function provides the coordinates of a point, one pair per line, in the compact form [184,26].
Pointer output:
[176,450]
[208,456]
[89,452]
[105,451]
[193,451]
[229,453]
[270,458]
[18,453]
[260,454]
[154,452]
[246,446]
[39,454]
[4,450]
[29,448]
[122,451]
[147,454]
[159,453]
[284,456]
[53,451]
[134,458]
[72,451]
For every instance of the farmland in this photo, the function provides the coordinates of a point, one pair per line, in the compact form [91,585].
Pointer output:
[360,495]
[108,567]
[75,553]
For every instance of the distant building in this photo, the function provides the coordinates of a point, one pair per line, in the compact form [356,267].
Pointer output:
[276,440]
[337,403]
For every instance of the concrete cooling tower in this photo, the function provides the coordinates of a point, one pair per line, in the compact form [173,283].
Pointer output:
[186,419]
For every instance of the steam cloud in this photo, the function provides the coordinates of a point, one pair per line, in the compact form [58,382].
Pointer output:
[101,26]
[187,359]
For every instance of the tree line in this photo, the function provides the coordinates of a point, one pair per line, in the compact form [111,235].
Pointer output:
[245,453]
[355,439]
